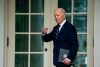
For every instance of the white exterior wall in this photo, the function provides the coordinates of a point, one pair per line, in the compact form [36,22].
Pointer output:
[97,34]
[1,32]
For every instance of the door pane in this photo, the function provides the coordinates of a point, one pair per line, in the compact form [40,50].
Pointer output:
[80,22]
[68,17]
[36,43]
[82,39]
[37,6]
[80,5]
[36,23]
[81,61]
[36,60]
[21,60]
[21,42]
[22,6]
[66,4]
[21,23]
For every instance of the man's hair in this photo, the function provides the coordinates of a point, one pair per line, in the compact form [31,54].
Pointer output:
[62,10]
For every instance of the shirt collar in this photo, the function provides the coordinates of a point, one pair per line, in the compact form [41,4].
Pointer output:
[63,23]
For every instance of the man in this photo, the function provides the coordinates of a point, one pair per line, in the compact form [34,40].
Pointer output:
[66,38]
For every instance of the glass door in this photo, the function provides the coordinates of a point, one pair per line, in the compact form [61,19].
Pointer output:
[29,18]
[77,14]
[26,47]
[26,17]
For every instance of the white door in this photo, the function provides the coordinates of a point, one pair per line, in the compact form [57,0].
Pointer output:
[26,48]
[26,17]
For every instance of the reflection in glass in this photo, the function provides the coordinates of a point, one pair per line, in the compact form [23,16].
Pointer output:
[22,6]
[80,22]
[21,23]
[36,23]
[21,60]
[82,39]
[66,4]
[37,6]
[68,17]
[80,5]
[81,61]
[21,42]
[36,60]
[36,43]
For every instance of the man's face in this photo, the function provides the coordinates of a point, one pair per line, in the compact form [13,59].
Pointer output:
[59,16]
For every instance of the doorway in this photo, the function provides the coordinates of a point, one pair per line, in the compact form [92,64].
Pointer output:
[26,17]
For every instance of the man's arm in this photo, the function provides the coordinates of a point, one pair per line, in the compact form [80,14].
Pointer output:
[74,42]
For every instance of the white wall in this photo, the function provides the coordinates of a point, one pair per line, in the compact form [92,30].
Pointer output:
[1,32]
[97,34]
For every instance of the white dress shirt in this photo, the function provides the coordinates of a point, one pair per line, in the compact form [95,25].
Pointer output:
[61,25]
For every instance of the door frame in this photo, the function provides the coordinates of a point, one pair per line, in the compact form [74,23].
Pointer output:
[90,33]
[9,31]
[11,28]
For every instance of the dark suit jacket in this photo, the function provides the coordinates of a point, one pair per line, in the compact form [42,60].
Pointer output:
[67,39]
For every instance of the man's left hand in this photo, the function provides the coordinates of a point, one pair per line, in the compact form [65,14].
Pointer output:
[66,61]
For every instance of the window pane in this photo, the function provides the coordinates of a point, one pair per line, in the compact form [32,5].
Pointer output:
[66,4]
[21,42]
[80,5]
[21,23]
[36,60]
[81,61]
[37,6]
[36,23]
[82,39]
[68,17]
[22,6]
[80,22]
[36,43]
[21,60]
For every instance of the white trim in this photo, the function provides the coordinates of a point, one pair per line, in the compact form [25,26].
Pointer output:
[90,33]
[2,44]
[10,63]
[96,33]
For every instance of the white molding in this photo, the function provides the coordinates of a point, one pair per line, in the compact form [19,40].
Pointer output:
[90,22]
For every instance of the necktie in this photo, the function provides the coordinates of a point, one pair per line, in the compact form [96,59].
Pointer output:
[57,31]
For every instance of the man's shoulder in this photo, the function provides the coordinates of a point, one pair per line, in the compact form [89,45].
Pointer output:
[69,25]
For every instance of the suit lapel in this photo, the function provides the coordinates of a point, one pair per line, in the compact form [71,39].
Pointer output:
[62,30]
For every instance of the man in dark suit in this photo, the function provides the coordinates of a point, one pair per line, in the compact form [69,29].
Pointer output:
[64,35]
